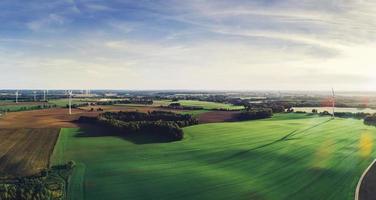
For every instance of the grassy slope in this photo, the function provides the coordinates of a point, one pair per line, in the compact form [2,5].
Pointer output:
[247,160]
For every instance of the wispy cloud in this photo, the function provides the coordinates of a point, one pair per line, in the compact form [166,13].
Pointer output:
[50,20]
[212,44]
[98,7]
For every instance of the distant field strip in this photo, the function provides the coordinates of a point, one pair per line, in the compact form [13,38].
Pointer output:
[22,106]
[64,102]
[209,105]
[203,104]
[26,151]
[288,157]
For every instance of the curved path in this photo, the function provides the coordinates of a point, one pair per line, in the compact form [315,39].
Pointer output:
[366,188]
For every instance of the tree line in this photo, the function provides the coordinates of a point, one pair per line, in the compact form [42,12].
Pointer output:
[253,114]
[275,106]
[368,119]
[143,101]
[164,124]
[178,106]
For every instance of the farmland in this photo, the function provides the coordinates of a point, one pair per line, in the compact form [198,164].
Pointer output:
[125,108]
[209,105]
[217,116]
[64,102]
[25,152]
[290,156]
[206,105]
[55,117]
[21,106]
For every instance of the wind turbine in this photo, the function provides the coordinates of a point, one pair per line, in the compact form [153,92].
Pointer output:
[70,101]
[35,95]
[17,96]
[333,101]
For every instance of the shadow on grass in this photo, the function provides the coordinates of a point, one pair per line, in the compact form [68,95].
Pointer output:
[287,137]
[90,130]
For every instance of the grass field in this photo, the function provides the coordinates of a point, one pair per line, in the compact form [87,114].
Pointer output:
[25,151]
[161,102]
[209,105]
[64,102]
[290,156]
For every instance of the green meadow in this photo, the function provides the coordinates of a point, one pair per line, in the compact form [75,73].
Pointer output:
[287,157]
[64,102]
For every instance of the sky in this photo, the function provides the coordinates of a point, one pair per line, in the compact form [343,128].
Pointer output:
[193,44]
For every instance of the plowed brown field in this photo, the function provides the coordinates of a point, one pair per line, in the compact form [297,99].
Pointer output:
[49,118]
[25,152]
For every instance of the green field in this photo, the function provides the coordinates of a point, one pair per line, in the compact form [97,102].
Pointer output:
[209,105]
[291,156]
[64,102]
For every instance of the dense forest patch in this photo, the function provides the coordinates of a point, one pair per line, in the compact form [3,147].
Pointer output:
[158,123]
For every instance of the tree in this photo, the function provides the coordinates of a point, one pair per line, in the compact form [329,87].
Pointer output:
[370,120]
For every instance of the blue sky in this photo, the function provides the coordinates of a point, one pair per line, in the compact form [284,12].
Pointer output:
[175,44]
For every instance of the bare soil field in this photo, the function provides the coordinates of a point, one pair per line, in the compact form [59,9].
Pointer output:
[49,118]
[26,152]
[217,116]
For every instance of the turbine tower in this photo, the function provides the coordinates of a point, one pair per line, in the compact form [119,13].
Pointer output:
[17,96]
[35,95]
[70,101]
[333,101]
